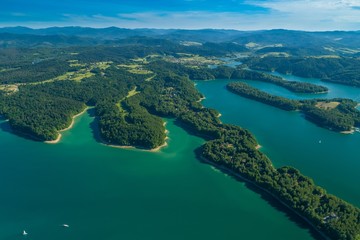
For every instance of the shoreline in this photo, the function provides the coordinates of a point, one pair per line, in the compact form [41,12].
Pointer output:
[323,92]
[218,116]
[67,128]
[202,98]
[348,132]
[225,170]
[157,149]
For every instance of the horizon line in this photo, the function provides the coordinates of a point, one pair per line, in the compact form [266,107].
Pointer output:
[169,29]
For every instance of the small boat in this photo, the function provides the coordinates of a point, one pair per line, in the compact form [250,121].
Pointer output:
[319,141]
[65,225]
[24,233]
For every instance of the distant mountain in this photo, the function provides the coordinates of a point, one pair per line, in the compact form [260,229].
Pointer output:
[102,33]
[300,38]
[203,35]
[111,33]
[11,40]
[279,40]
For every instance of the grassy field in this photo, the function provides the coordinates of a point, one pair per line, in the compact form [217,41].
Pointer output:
[150,78]
[82,73]
[9,88]
[275,54]
[8,69]
[135,68]
[192,60]
[147,59]
[102,65]
[131,93]
[327,105]
[75,63]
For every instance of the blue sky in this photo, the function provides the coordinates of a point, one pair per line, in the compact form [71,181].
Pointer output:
[187,14]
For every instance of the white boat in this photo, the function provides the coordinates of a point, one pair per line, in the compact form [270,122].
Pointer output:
[319,141]
[25,233]
[65,225]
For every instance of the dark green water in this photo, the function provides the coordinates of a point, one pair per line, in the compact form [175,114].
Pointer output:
[109,193]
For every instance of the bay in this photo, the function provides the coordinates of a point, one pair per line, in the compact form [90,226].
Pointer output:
[110,193]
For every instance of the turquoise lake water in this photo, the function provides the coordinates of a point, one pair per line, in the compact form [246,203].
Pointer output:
[288,139]
[110,193]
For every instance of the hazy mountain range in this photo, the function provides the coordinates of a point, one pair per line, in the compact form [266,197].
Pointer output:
[272,40]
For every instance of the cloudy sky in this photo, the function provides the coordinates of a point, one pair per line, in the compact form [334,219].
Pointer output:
[188,14]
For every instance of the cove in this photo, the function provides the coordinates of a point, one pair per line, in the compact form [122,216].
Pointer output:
[110,193]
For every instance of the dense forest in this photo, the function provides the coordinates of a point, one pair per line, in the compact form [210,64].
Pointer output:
[342,70]
[38,115]
[334,114]
[40,110]
[35,71]
[133,126]
[130,94]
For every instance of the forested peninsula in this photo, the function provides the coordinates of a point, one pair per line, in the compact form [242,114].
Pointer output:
[334,114]
[293,86]
[131,88]
[224,72]
[336,69]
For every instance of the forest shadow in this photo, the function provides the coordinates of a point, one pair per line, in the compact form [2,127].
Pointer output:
[190,131]
[6,127]
[272,201]
[94,126]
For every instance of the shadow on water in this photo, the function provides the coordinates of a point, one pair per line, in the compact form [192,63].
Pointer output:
[190,131]
[5,126]
[300,222]
[273,202]
[94,126]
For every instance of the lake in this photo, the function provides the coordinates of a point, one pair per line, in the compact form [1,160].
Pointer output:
[110,193]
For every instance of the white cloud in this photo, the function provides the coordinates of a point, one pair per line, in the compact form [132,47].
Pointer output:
[313,14]
[301,5]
